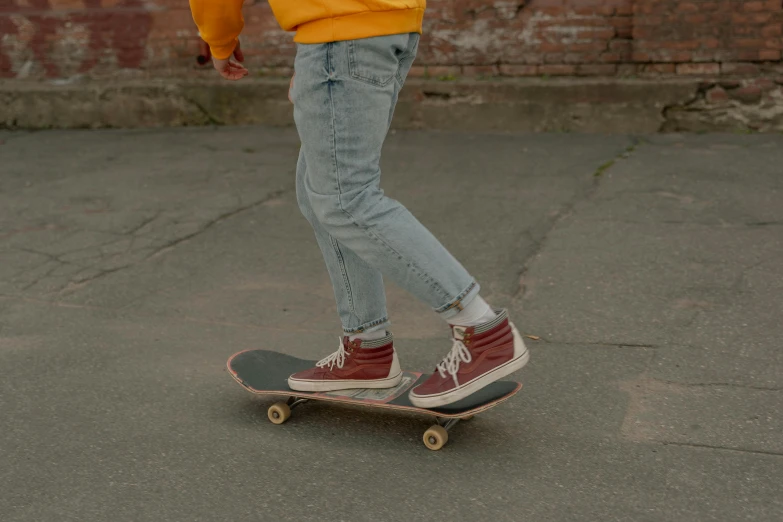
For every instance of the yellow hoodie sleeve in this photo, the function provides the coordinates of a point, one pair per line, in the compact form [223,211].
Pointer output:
[219,23]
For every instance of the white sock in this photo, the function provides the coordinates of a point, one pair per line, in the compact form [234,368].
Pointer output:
[369,336]
[477,312]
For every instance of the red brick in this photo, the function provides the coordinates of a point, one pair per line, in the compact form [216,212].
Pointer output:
[765,84]
[659,68]
[585,8]
[418,71]
[696,19]
[643,32]
[654,21]
[599,34]
[769,55]
[624,8]
[771,31]
[744,30]
[679,56]
[698,68]
[750,18]
[550,3]
[688,7]
[753,6]
[687,45]
[586,46]
[550,11]
[746,55]
[596,70]
[480,70]
[747,94]
[641,57]
[439,71]
[739,68]
[620,21]
[717,95]
[551,47]
[702,56]
[710,43]
[753,43]
[519,70]
[774,43]
[557,70]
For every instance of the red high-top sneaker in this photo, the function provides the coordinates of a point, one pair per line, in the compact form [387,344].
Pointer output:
[355,364]
[481,355]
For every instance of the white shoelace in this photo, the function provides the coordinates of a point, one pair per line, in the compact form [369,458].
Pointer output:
[459,353]
[337,358]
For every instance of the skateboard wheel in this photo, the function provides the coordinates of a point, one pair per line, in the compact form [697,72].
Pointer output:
[436,437]
[278,413]
[467,418]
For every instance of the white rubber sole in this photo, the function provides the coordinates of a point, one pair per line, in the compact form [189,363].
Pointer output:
[320,386]
[471,387]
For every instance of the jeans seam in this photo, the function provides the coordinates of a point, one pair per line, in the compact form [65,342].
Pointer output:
[332,123]
[347,282]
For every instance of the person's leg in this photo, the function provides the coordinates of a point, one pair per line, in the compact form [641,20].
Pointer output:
[366,356]
[358,287]
[344,95]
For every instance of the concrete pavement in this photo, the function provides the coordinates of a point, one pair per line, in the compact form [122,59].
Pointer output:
[133,263]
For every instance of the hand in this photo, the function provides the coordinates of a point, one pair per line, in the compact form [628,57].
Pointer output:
[230,69]
[290,88]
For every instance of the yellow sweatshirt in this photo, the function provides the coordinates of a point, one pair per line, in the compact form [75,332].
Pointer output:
[315,21]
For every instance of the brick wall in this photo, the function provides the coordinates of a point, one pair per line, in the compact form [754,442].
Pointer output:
[156,38]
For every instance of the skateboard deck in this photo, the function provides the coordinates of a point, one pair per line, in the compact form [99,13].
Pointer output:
[265,372]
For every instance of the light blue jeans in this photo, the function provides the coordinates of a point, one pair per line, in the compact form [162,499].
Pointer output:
[344,95]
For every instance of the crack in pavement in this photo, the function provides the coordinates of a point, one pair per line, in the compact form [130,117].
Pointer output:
[717,385]
[213,222]
[72,286]
[721,448]
[567,211]
[144,223]
[595,343]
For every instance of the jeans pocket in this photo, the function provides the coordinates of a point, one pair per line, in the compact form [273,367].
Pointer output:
[377,60]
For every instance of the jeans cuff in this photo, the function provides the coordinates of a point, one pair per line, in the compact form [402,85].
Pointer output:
[459,303]
[371,326]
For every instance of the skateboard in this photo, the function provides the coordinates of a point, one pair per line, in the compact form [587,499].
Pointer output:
[265,372]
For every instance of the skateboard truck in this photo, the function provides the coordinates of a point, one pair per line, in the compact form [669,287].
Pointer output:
[434,438]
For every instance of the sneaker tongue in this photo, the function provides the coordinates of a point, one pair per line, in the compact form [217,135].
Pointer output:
[459,332]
